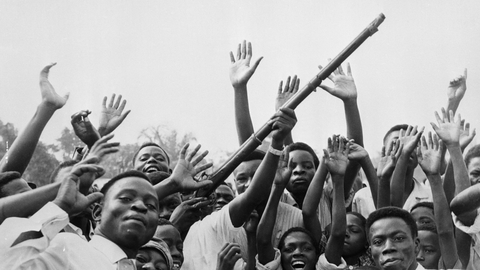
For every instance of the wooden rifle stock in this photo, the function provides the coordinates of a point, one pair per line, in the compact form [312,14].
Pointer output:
[256,139]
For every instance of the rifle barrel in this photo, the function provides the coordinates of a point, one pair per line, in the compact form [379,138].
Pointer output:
[256,139]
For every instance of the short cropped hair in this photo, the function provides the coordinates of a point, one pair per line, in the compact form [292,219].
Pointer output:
[131,173]
[7,177]
[150,144]
[157,177]
[422,204]
[472,153]
[392,212]
[301,146]
[64,164]
[394,128]
[363,220]
[281,243]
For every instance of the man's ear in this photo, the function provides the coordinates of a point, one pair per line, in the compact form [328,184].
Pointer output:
[417,245]
[97,212]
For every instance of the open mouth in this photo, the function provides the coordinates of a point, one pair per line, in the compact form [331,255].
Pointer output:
[298,264]
[150,169]
[176,265]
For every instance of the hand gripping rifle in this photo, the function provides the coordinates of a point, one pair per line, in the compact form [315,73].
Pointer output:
[256,139]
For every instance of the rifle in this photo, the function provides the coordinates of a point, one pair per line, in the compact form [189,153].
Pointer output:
[256,139]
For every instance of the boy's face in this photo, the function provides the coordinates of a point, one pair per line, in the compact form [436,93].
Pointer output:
[423,215]
[474,171]
[129,213]
[172,238]
[223,195]
[150,259]
[355,238]
[151,159]
[298,252]
[244,174]
[167,205]
[429,253]
[392,244]
[303,170]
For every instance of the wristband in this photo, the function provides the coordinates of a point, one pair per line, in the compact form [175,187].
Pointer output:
[275,151]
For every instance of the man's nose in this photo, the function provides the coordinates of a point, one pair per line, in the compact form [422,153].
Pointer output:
[420,256]
[139,206]
[389,247]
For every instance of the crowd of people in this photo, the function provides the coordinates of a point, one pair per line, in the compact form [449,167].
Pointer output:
[287,209]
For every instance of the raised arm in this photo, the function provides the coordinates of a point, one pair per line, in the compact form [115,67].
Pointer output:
[240,208]
[359,154]
[385,168]
[455,92]
[398,192]
[21,151]
[181,179]
[265,249]
[345,89]
[240,72]
[430,155]
[83,128]
[283,95]
[336,160]
[311,201]
[112,115]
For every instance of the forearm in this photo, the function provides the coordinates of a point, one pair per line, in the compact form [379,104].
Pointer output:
[354,123]
[398,181]
[266,252]
[22,149]
[443,221]
[449,182]
[166,187]
[31,202]
[252,251]
[315,192]
[333,252]
[459,168]
[243,120]
[372,178]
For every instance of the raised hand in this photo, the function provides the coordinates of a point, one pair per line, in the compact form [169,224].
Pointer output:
[457,87]
[188,212]
[291,88]
[112,115]
[102,148]
[83,128]
[185,170]
[69,198]
[282,123]
[228,256]
[336,157]
[251,225]
[409,139]
[344,86]
[465,136]
[448,128]
[388,160]
[430,154]
[282,176]
[240,70]
[49,97]
[357,152]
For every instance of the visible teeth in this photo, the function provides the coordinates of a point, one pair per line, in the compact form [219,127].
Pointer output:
[298,264]
[176,266]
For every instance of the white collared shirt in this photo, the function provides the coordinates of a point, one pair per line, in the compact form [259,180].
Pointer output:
[53,250]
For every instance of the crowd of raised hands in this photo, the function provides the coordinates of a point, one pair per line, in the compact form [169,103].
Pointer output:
[286,209]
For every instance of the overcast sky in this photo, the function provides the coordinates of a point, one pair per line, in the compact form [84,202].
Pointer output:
[170,60]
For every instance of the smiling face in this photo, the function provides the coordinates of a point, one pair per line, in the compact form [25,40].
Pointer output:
[392,244]
[355,237]
[303,169]
[474,170]
[172,238]
[150,259]
[429,253]
[128,215]
[151,159]
[298,252]
[244,174]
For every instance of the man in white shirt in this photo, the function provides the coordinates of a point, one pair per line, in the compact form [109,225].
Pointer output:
[392,234]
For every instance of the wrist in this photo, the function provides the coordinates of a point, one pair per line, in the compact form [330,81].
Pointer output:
[62,205]
[240,87]
[276,144]
[350,101]
[44,106]
[453,144]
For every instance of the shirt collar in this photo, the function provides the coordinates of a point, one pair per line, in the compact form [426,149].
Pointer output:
[113,252]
